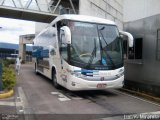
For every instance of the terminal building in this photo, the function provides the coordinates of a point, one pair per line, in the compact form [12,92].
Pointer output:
[142,20]
[139,17]
[11,51]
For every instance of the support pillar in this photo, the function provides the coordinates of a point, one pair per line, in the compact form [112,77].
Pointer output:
[23,40]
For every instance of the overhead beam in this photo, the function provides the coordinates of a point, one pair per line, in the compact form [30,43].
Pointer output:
[38,5]
[27,14]
[72,6]
[28,3]
[48,6]
[20,3]
[14,3]
[2,2]
[23,12]
[56,6]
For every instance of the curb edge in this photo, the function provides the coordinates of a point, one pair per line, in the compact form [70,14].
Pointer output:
[7,94]
[153,98]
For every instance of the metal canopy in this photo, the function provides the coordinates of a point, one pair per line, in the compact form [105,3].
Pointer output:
[37,10]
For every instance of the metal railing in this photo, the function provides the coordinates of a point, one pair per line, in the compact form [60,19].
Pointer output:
[44,6]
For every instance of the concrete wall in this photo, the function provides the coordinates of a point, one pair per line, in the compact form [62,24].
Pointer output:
[138,9]
[142,20]
[108,9]
[144,76]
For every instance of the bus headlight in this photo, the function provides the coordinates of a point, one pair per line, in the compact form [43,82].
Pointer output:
[76,74]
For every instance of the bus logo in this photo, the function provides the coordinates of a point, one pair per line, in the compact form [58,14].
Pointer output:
[102,78]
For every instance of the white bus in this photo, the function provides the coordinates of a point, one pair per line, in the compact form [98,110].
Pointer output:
[81,53]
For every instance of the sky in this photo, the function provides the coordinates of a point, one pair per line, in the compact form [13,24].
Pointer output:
[11,29]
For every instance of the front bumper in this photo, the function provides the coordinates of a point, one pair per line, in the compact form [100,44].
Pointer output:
[75,83]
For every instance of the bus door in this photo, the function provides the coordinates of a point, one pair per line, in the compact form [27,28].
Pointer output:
[64,58]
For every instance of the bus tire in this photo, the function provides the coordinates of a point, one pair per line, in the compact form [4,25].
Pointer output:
[36,69]
[54,80]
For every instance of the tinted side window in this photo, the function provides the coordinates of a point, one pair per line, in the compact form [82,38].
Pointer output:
[137,51]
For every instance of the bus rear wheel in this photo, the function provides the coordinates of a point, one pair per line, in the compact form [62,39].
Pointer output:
[54,80]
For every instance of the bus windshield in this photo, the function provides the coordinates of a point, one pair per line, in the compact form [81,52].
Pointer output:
[95,46]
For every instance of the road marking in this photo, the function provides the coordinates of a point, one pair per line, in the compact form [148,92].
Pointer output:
[54,93]
[7,103]
[24,102]
[67,96]
[24,108]
[21,111]
[22,96]
[76,98]
[18,103]
[10,103]
[64,99]
[73,96]
[61,96]
[137,98]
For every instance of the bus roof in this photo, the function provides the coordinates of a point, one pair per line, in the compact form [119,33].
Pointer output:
[83,18]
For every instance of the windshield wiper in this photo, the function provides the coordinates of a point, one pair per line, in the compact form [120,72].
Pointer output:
[92,54]
[99,30]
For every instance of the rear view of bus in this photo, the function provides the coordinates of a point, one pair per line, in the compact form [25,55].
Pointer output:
[91,54]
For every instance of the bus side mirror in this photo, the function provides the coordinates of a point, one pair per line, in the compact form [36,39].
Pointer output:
[67,34]
[130,37]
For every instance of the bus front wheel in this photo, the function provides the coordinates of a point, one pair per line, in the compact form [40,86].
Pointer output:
[54,79]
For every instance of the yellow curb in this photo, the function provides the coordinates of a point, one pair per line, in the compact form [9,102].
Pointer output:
[7,94]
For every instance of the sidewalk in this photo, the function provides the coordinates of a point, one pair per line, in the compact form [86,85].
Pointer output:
[12,108]
[7,109]
[7,105]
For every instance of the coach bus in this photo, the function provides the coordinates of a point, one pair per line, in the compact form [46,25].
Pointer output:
[81,53]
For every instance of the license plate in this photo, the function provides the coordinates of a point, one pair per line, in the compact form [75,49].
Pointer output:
[101,85]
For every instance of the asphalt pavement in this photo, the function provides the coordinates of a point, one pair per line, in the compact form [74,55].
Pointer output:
[36,98]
